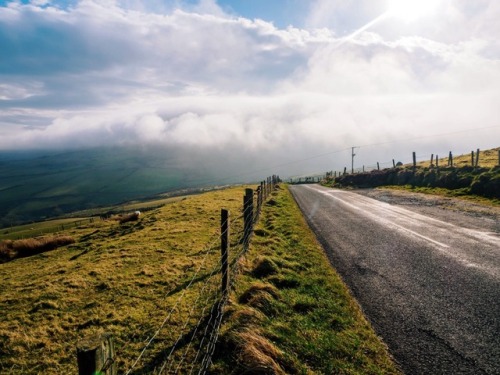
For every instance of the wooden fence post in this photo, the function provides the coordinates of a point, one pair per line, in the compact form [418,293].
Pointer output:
[432,160]
[224,250]
[393,163]
[437,161]
[472,158]
[414,160]
[95,355]
[345,170]
[259,203]
[378,166]
[450,160]
[247,216]
[477,158]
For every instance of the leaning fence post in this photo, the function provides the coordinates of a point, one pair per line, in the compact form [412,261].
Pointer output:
[224,250]
[95,355]
[247,216]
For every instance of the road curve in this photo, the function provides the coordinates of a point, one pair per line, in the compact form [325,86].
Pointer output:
[431,288]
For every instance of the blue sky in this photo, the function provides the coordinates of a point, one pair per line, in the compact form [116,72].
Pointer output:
[263,76]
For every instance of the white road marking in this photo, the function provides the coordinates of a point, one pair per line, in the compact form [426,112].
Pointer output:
[387,215]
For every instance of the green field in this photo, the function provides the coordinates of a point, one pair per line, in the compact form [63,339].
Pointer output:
[37,187]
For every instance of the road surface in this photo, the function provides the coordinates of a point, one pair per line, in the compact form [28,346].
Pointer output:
[430,287]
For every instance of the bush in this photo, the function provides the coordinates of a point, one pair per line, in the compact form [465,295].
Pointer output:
[478,181]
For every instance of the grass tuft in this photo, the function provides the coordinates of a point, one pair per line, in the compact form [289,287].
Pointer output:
[294,315]
[10,250]
[263,267]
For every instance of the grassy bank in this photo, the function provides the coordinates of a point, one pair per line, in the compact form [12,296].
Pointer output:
[123,279]
[290,312]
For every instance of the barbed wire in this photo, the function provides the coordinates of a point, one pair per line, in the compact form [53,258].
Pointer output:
[181,296]
[212,322]
[219,268]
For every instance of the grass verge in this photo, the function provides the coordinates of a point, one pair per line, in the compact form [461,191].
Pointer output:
[290,312]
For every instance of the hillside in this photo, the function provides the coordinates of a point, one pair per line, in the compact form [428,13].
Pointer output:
[459,179]
[144,279]
[39,185]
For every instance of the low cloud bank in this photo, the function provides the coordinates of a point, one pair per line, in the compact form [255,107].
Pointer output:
[197,79]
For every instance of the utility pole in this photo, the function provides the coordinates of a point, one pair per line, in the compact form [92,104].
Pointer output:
[352,159]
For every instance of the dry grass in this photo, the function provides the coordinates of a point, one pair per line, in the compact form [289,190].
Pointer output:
[256,354]
[125,218]
[31,246]
[125,278]
[117,278]
[487,159]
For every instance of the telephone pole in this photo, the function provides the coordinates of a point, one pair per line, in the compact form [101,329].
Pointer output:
[352,159]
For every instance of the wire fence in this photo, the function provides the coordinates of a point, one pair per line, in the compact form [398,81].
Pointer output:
[200,304]
[431,160]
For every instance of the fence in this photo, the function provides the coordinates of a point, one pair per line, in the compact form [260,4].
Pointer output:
[433,160]
[196,339]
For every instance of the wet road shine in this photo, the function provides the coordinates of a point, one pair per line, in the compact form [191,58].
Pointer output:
[430,287]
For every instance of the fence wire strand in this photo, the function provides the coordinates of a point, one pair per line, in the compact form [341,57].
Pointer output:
[211,322]
[169,315]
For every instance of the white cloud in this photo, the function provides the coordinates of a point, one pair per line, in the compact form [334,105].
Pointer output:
[124,72]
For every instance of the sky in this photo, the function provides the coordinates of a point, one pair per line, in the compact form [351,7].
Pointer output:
[298,82]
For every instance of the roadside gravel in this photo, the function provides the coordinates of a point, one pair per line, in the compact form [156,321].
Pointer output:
[459,211]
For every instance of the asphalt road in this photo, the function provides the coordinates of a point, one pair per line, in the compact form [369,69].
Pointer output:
[430,287]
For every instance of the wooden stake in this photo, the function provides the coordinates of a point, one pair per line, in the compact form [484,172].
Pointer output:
[95,355]
[224,250]
[247,216]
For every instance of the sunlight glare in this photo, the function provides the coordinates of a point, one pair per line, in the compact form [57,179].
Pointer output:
[411,10]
